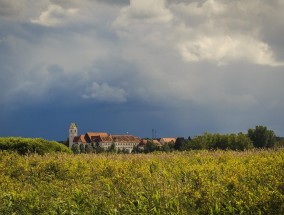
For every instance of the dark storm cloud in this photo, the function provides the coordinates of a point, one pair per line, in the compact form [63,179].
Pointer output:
[10,8]
[182,67]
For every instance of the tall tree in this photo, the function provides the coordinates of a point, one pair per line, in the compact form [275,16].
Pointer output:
[150,146]
[112,148]
[180,144]
[75,148]
[262,137]
[89,148]
[82,148]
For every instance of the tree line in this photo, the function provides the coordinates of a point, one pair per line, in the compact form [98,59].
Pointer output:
[259,137]
[96,148]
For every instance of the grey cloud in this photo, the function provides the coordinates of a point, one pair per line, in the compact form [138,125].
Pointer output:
[147,11]
[218,21]
[105,93]
[55,69]
[184,67]
[115,2]
[21,10]
[68,3]
[11,8]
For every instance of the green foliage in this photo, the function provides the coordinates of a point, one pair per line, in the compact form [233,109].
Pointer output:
[196,182]
[98,148]
[75,148]
[66,142]
[82,148]
[31,145]
[279,142]
[168,147]
[262,137]
[181,144]
[150,147]
[112,148]
[136,150]
[89,148]
[209,141]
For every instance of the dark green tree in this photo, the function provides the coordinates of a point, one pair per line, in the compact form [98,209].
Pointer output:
[242,142]
[75,148]
[137,150]
[262,137]
[181,144]
[125,151]
[112,148]
[150,146]
[166,147]
[89,148]
[97,148]
[82,148]
[279,143]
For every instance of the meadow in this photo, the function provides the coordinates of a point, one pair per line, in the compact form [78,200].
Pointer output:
[195,182]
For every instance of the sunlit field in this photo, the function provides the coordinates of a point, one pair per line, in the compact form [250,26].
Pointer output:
[197,182]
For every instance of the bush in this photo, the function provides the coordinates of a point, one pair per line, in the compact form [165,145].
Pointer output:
[31,145]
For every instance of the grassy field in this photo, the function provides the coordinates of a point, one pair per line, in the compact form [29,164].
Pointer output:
[197,182]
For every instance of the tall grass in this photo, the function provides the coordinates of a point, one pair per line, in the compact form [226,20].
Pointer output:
[198,182]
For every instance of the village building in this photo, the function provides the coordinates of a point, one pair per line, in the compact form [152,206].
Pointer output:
[167,140]
[121,142]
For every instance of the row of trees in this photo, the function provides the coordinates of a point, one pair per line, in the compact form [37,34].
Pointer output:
[215,141]
[95,148]
[259,137]
[206,141]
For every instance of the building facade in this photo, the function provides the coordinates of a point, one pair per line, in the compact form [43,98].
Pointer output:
[103,139]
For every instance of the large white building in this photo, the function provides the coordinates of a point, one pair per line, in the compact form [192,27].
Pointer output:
[126,142]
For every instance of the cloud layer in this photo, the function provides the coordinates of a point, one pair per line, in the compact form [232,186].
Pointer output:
[191,65]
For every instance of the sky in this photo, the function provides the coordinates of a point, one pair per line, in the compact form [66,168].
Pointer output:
[181,67]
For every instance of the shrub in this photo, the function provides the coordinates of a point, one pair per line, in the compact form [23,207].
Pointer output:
[31,145]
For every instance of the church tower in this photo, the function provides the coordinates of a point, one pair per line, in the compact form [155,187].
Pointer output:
[73,132]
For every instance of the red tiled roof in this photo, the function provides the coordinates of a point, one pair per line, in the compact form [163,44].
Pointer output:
[156,142]
[143,142]
[94,136]
[80,139]
[107,139]
[168,140]
[125,138]
[104,137]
